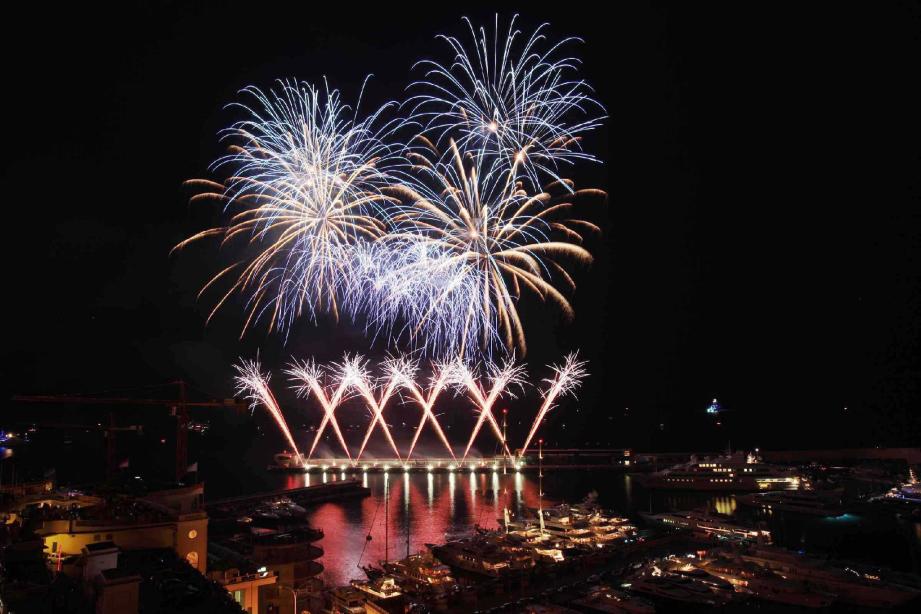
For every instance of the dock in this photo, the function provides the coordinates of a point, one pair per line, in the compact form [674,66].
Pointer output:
[305,495]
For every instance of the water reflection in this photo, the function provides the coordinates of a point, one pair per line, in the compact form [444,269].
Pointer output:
[421,508]
[418,508]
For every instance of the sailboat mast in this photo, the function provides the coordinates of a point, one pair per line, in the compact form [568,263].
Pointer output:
[540,483]
[386,519]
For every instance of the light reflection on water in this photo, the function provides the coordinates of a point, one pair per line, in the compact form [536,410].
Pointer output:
[433,507]
[426,507]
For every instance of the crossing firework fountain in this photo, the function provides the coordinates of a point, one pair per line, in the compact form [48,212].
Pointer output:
[330,385]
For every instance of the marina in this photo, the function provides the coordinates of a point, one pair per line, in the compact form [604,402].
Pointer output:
[462,309]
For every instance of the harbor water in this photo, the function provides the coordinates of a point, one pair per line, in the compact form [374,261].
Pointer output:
[405,511]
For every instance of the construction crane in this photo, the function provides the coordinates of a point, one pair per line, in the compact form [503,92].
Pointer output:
[178,407]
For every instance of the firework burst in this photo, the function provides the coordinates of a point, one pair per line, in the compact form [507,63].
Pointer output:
[510,100]
[306,184]
[485,239]
[430,244]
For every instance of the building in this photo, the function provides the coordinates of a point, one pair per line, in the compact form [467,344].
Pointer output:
[164,519]
[244,588]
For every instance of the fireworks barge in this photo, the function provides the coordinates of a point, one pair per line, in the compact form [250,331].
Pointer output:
[552,459]
[297,463]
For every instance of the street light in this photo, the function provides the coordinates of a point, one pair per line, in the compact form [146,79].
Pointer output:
[293,593]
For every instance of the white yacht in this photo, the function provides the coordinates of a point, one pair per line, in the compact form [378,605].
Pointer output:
[730,472]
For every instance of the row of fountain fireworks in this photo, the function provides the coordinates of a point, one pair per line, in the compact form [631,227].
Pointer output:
[332,384]
[425,220]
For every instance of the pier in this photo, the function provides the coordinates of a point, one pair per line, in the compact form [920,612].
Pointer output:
[305,495]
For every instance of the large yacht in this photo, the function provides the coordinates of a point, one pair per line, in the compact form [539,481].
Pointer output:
[678,589]
[422,573]
[811,502]
[606,599]
[730,472]
[908,493]
[764,584]
[704,524]
[483,555]
[851,584]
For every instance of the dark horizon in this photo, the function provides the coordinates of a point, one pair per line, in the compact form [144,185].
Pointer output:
[761,231]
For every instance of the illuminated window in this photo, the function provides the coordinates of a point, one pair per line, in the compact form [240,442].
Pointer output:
[192,558]
[193,534]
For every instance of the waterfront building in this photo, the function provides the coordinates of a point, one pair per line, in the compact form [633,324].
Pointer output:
[165,519]
[245,588]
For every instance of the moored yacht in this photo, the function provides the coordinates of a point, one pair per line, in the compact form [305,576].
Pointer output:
[765,584]
[704,524]
[484,556]
[908,493]
[288,461]
[852,585]
[605,599]
[731,472]
[422,573]
[812,502]
[676,589]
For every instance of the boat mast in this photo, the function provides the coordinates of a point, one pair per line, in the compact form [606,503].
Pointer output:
[386,518]
[540,483]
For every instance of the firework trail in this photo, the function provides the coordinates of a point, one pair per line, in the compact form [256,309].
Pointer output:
[309,377]
[442,377]
[306,183]
[567,378]
[253,385]
[510,100]
[502,379]
[398,370]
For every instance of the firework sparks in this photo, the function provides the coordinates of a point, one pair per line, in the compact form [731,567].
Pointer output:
[332,383]
[442,376]
[485,239]
[567,378]
[306,184]
[310,377]
[512,103]
[359,378]
[502,379]
[429,243]
[253,385]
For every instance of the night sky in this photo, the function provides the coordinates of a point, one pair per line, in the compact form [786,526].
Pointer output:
[761,236]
